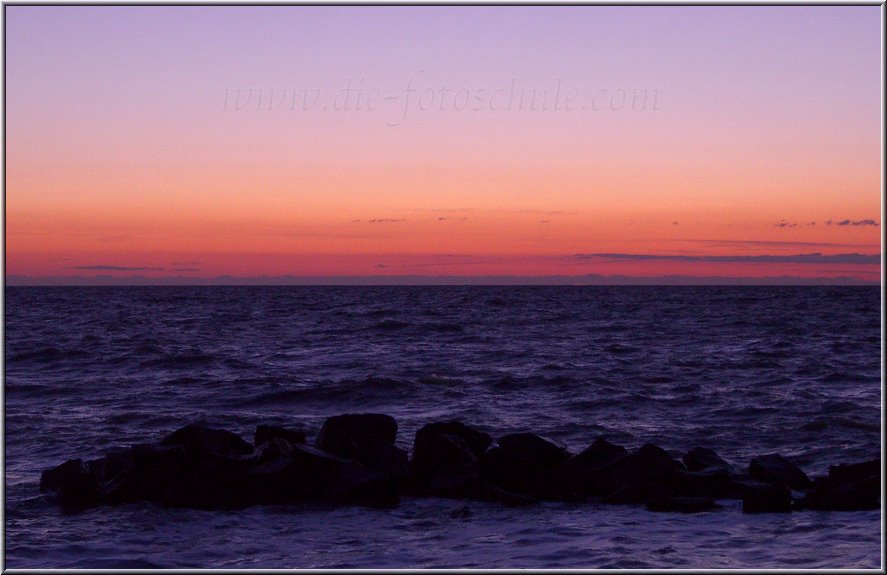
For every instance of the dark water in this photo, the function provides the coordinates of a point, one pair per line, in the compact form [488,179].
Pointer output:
[743,370]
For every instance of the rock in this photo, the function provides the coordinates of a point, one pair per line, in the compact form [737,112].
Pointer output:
[357,463]
[200,441]
[700,458]
[367,438]
[535,448]
[855,471]
[475,440]
[648,472]
[638,492]
[445,459]
[155,467]
[709,482]
[345,434]
[114,474]
[672,504]
[196,476]
[390,461]
[74,484]
[767,499]
[488,492]
[526,464]
[580,476]
[775,469]
[354,484]
[293,473]
[849,487]
[267,432]
[274,449]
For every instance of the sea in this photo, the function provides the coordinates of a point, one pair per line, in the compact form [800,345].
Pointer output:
[741,370]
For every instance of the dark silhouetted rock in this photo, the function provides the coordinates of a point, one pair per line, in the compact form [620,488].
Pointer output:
[488,492]
[767,499]
[290,473]
[674,504]
[776,469]
[709,482]
[743,483]
[700,458]
[201,441]
[73,483]
[367,438]
[357,463]
[114,475]
[343,435]
[581,475]
[445,459]
[854,496]
[849,472]
[535,448]
[197,476]
[848,487]
[357,485]
[526,464]
[636,478]
[144,472]
[267,432]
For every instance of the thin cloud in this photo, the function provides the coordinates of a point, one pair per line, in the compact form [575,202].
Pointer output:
[540,212]
[759,243]
[858,223]
[814,258]
[445,210]
[386,220]
[105,268]
[852,223]
[784,224]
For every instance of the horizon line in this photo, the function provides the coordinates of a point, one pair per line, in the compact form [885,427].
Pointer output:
[18,280]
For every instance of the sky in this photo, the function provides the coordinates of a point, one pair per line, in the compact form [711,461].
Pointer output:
[632,141]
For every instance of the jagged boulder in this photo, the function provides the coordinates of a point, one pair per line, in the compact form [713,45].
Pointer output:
[446,459]
[525,464]
[267,432]
[489,492]
[582,474]
[710,482]
[767,498]
[855,471]
[368,438]
[701,459]
[848,496]
[345,434]
[200,441]
[289,473]
[356,462]
[646,473]
[848,487]
[775,469]
[73,482]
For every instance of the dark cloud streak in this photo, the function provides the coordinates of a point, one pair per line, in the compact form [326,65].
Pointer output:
[814,258]
[106,268]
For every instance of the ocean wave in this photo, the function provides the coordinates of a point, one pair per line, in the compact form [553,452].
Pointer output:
[47,354]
